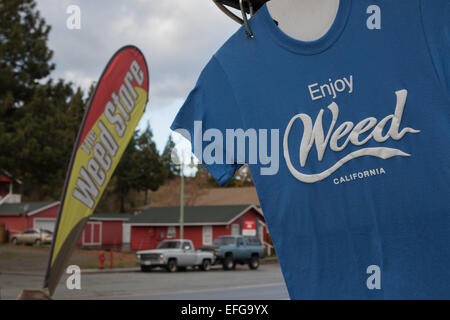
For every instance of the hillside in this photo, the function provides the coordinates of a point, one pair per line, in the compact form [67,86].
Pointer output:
[169,195]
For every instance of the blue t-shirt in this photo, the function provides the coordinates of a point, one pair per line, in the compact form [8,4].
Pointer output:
[347,140]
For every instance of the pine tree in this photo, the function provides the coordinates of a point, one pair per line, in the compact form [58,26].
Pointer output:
[24,60]
[24,54]
[151,171]
[172,170]
[38,122]
[125,175]
[45,136]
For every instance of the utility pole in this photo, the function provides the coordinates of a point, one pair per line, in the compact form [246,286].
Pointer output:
[191,165]
[182,202]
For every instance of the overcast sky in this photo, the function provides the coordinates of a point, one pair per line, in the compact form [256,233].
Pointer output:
[177,37]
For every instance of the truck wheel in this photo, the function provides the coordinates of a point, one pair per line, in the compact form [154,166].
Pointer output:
[172,265]
[14,241]
[206,265]
[228,263]
[37,243]
[254,262]
[146,268]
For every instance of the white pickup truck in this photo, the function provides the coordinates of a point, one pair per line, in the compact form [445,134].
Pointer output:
[174,255]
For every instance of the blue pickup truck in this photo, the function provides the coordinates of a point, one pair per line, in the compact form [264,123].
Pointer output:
[230,250]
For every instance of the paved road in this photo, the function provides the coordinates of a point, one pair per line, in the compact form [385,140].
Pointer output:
[242,283]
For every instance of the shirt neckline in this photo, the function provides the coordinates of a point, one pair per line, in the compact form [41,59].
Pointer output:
[308,47]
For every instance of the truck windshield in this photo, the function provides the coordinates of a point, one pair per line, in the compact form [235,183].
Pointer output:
[223,241]
[169,245]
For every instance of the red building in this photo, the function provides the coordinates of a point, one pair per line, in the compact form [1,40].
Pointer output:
[202,224]
[106,231]
[19,217]
[102,230]
[7,186]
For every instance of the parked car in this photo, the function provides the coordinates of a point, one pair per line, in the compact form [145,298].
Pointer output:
[174,255]
[33,236]
[230,250]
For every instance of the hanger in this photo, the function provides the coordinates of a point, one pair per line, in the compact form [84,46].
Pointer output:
[245,6]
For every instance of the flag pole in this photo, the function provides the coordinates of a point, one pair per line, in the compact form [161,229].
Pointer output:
[182,202]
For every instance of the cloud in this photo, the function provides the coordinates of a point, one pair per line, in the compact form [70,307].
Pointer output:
[177,38]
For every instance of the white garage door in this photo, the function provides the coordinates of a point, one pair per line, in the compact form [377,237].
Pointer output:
[47,224]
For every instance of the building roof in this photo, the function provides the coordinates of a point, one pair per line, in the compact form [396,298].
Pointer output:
[193,215]
[28,208]
[111,216]
[5,176]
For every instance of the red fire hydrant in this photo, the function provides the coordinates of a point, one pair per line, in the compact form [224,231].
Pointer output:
[101,259]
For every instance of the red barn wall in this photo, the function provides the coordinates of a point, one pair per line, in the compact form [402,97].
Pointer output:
[193,233]
[219,231]
[15,224]
[50,213]
[148,237]
[252,214]
[144,238]
[112,233]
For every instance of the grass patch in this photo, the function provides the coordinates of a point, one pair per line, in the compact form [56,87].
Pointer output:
[8,255]
[94,265]
[12,252]
[89,259]
[85,259]
[43,247]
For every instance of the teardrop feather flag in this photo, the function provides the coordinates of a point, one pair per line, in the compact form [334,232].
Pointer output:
[108,125]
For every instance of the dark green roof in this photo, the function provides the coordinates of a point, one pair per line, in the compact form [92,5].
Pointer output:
[192,215]
[23,207]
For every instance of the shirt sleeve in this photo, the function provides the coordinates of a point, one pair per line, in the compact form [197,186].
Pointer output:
[208,111]
[436,22]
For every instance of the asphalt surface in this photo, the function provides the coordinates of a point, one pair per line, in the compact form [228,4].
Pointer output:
[266,283]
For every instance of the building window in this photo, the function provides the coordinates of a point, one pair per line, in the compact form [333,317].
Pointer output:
[171,232]
[235,229]
[207,235]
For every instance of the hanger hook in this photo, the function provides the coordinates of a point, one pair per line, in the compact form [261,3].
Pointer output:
[228,12]
[244,17]
[235,17]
